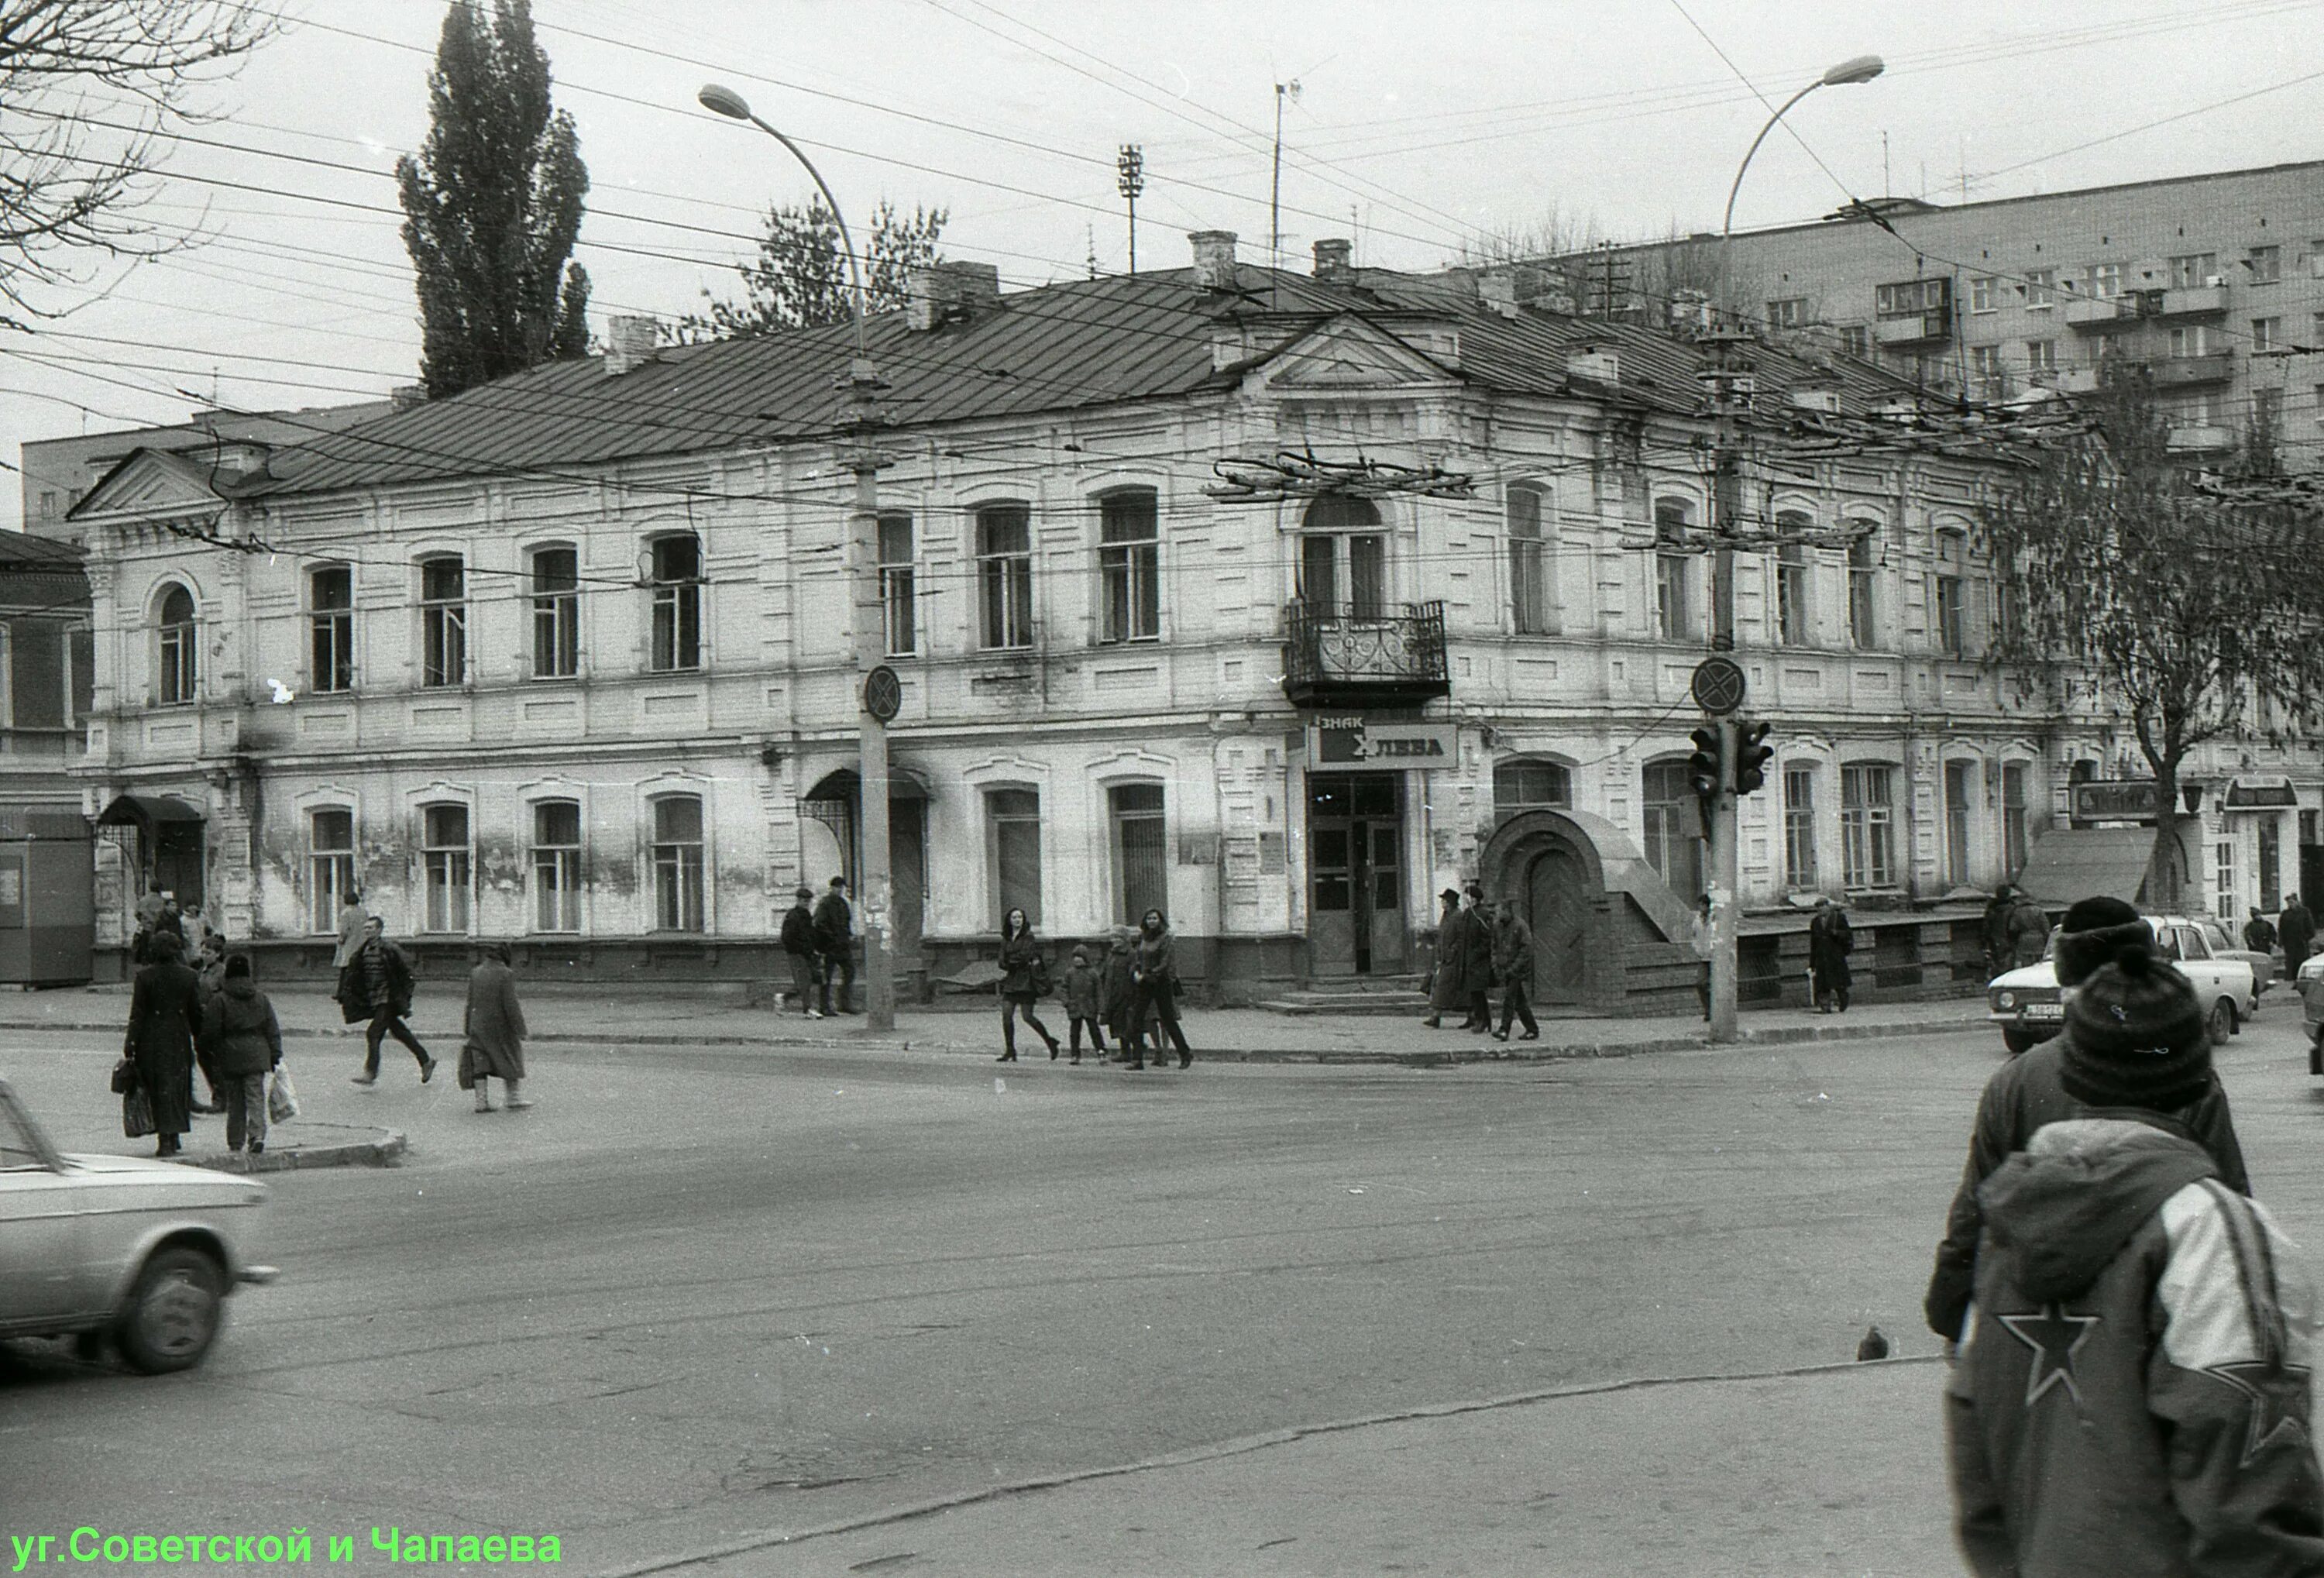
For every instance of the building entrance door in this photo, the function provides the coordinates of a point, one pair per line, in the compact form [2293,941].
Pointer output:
[177,861]
[1557,903]
[1355,865]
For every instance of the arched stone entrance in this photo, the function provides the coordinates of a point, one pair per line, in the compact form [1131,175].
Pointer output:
[1589,897]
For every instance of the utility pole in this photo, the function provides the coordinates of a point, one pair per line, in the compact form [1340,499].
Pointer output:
[876,897]
[1725,876]
[1283,90]
[1130,180]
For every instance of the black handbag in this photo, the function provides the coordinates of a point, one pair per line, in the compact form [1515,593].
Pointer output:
[136,1114]
[124,1077]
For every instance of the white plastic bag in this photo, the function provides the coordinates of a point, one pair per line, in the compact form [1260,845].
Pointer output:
[281,1097]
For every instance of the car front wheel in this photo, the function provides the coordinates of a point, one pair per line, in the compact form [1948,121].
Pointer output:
[2222,1022]
[173,1312]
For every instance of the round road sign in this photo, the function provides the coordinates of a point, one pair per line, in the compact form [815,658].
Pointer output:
[883,693]
[1718,686]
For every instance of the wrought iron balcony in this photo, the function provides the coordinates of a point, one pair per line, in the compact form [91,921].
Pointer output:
[1339,655]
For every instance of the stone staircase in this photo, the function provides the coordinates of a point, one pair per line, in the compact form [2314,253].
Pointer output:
[1381,996]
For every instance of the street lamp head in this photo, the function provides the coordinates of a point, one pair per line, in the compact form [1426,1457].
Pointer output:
[725,101]
[1862,68]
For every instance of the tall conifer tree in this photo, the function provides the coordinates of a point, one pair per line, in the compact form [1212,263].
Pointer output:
[493,205]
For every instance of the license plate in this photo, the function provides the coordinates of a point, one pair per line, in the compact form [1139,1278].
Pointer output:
[2044,1011]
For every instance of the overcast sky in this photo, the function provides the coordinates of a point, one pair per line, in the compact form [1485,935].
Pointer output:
[1417,122]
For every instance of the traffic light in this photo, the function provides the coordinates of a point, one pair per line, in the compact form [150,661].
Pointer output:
[1752,755]
[1703,769]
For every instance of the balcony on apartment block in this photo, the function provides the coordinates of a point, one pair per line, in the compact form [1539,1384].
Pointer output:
[2184,372]
[2199,437]
[2193,301]
[1364,655]
[2099,315]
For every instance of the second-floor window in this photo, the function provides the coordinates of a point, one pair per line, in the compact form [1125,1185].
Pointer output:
[331,628]
[2267,334]
[556,614]
[177,647]
[443,622]
[899,605]
[1673,617]
[2041,290]
[1343,559]
[674,566]
[2265,263]
[1952,593]
[1531,610]
[2193,339]
[2106,280]
[1984,363]
[2193,270]
[1792,582]
[1863,566]
[1130,568]
[1984,293]
[2041,355]
[1799,827]
[1004,577]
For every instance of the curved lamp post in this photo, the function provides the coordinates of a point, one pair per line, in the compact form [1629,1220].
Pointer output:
[869,605]
[1861,68]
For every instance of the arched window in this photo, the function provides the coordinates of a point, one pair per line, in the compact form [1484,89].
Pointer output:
[1533,604]
[1951,592]
[1141,849]
[447,862]
[1343,559]
[1013,818]
[1863,566]
[331,866]
[177,645]
[1527,784]
[556,865]
[1868,824]
[1673,612]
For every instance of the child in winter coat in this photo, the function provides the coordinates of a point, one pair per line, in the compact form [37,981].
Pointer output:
[1084,995]
[243,1042]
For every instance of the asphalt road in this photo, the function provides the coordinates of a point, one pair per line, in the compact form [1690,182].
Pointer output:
[693,1297]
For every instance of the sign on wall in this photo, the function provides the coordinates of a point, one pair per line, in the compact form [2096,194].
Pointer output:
[2115,800]
[1367,740]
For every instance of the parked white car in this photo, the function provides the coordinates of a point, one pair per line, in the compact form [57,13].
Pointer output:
[136,1249]
[2030,1007]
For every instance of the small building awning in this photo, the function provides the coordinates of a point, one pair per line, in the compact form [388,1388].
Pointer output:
[2073,863]
[903,784]
[146,811]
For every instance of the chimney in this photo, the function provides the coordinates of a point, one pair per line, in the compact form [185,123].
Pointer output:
[927,293]
[1498,293]
[1214,259]
[976,286]
[1334,259]
[406,396]
[1593,362]
[629,344]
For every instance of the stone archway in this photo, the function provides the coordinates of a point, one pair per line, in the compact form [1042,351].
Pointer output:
[1590,896]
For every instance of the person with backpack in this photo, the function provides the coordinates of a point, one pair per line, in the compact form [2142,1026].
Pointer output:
[1024,980]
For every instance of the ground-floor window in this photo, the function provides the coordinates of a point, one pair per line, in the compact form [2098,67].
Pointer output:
[331,866]
[677,863]
[1140,850]
[1530,785]
[1013,822]
[2223,886]
[2270,864]
[556,866]
[1867,825]
[1799,827]
[448,866]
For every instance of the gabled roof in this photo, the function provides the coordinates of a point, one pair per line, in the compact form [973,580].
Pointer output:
[1061,347]
[154,482]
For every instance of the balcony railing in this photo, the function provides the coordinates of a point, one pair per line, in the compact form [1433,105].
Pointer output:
[2186,300]
[1336,655]
[2177,372]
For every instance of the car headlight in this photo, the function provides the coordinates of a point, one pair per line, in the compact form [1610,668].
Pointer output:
[2005,1000]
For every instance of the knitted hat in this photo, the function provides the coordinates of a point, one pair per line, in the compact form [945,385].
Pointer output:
[2092,932]
[2135,1037]
[237,967]
[1081,953]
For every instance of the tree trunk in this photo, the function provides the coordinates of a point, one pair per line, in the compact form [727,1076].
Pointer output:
[2167,864]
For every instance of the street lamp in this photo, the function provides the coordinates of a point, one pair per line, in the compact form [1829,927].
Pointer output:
[874,877]
[1861,68]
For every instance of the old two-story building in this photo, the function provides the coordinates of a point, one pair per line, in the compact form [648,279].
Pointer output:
[45,682]
[1278,602]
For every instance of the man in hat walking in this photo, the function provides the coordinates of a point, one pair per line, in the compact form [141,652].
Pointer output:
[834,939]
[799,949]
[1450,989]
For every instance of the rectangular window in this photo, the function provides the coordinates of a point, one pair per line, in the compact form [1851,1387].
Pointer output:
[1984,293]
[1672,615]
[331,628]
[556,614]
[1790,312]
[2266,334]
[1856,340]
[1799,827]
[1004,577]
[2194,271]
[1013,818]
[444,622]
[2041,290]
[1951,590]
[899,589]
[48,504]
[330,867]
[1863,565]
[1672,825]
[2270,864]
[2193,339]
[2106,280]
[677,578]
[2222,882]
[2041,355]
[1140,850]
[1530,612]
[81,649]
[1867,828]
[677,863]
[2265,263]
[1791,593]
[1984,363]
[1130,568]
[448,864]
[2013,829]
[1957,822]
[556,866]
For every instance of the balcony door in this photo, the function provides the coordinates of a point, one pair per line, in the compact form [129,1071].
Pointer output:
[1355,863]
[1343,559]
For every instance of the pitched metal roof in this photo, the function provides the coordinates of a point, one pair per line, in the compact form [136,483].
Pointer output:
[1080,343]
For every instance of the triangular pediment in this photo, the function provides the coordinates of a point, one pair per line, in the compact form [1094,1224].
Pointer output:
[151,484]
[1348,354]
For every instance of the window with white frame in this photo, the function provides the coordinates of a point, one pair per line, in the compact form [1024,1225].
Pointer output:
[1004,577]
[1672,825]
[1863,568]
[2192,339]
[2266,334]
[2015,840]
[2194,270]
[2041,290]
[1013,830]
[1129,566]
[1790,312]
[1674,619]
[677,870]
[1867,825]
[331,627]
[556,612]
[1951,589]
[1343,559]
[1984,293]
[556,865]
[1855,340]
[177,649]
[2265,265]
[1985,364]
[1528,785]
[1799,826]
[448,864]
[1141,850]
[1532,611]
[444,621]
[1958,779]
[2041,355]
[675,579]
[330,866]
[2106,280]
[2223,878]
[1791,569]
[900,620]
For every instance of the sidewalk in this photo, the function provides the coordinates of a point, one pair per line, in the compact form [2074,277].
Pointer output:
[705,1016]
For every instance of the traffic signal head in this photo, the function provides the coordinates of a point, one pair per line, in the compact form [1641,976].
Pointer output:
[1702,766]
[1752,755]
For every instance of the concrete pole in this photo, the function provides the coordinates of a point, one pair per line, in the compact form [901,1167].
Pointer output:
[874,880]
[1723,878]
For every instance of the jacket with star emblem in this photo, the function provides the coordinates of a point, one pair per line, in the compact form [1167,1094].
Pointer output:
[2131,1395]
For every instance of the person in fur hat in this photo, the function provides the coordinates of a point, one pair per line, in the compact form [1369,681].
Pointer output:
[2029,1091]
[2131,1392]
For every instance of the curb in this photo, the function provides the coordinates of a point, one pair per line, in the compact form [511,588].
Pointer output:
[385,1150]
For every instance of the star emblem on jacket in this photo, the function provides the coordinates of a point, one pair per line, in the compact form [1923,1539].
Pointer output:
[2055,1338]
[2276,1391]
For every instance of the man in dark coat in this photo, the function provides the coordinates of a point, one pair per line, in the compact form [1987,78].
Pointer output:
[244,1042]
[492,1032]
[1477,961]
[165,1020]
[834,939]
[1513,961]
[2298,930]
[2259,936]
[1831,940]
[376,986]
[1450,987]
[799,948]
[2029,932]
[1993,930]
[2029,1091]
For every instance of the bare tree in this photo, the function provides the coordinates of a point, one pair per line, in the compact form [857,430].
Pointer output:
[91,88]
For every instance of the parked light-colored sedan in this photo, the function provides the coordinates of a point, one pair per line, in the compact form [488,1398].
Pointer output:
[139,1250]
[2030,1007]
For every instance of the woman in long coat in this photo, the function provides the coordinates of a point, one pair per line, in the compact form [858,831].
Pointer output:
[1022,974]
[1830,942]
[165,1018]
[493,1032]
[1452,988]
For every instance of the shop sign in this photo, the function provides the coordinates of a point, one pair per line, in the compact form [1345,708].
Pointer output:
[2115,800]
[2255,793]
[1359,739]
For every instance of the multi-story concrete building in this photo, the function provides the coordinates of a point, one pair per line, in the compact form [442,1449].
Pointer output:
[1278,602]
[2215,281]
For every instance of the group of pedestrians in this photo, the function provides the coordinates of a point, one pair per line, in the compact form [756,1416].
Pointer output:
[1480,945]
[1134,992]
[818,942]
[182,1019]
[2130,1332]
